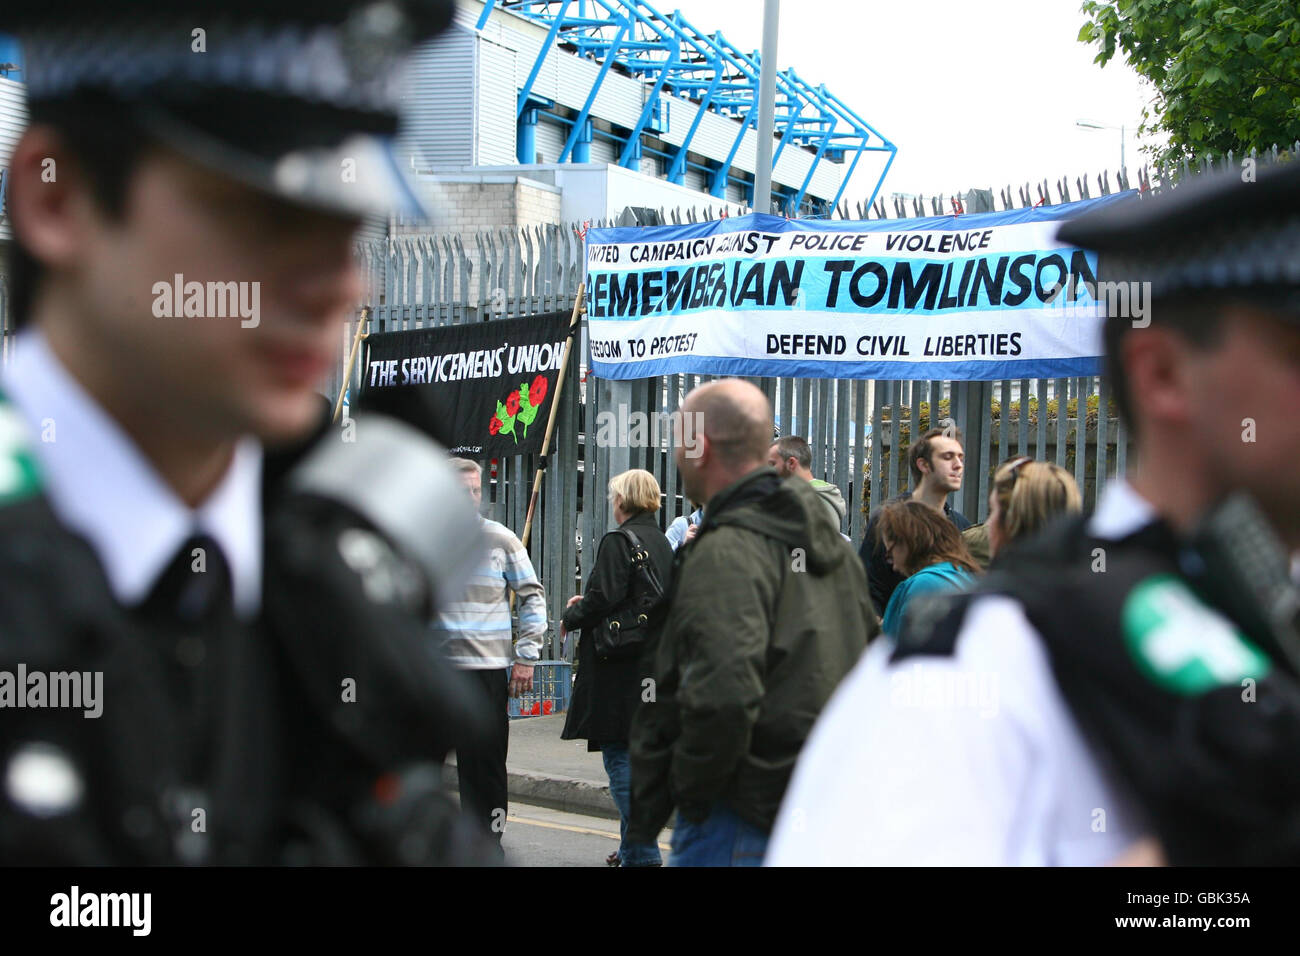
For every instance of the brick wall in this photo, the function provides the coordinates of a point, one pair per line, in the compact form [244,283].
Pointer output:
[474,207]
[536,206]
[469,207]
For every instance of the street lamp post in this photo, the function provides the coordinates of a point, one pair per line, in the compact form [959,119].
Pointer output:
[1086,124]
[766,108]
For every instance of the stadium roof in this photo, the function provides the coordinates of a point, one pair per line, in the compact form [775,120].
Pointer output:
[674,58]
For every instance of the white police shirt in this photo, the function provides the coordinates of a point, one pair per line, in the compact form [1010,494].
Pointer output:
[973,759]
[102,487]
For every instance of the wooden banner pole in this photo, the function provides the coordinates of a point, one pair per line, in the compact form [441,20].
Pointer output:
[352,359]
[550,421]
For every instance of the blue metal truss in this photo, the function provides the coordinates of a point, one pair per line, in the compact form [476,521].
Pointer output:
[670,56]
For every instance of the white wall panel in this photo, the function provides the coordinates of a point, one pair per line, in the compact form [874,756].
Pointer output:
[550,139]
[439,105]
[13,119]
[498,104]
[603,150]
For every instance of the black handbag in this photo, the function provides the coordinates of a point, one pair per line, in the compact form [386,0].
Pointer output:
[624,633]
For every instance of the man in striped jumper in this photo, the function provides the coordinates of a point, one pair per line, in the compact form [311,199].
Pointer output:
[475,637]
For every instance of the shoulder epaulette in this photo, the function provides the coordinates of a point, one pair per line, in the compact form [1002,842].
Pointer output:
[20,476]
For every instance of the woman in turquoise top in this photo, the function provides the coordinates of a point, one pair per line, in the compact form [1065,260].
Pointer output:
[925,547]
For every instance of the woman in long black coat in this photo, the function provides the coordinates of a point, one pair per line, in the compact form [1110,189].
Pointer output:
[607,692]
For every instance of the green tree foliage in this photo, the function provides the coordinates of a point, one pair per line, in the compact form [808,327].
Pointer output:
[1226,76]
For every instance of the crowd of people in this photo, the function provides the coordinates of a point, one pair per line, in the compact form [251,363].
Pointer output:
[1046,687]
[260,599]
[750,631]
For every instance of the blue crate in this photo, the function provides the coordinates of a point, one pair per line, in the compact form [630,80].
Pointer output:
[552,688]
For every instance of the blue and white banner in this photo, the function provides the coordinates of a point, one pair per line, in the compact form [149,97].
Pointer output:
[985,296]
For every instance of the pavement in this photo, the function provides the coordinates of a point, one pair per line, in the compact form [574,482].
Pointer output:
[539,836]
[545,771]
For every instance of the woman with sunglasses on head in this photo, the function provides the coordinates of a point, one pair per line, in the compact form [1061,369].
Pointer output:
[1025,497]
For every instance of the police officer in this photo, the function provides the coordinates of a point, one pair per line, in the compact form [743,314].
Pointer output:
[212,604]
[1124,686]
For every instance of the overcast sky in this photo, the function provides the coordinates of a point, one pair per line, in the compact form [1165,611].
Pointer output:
[974,93]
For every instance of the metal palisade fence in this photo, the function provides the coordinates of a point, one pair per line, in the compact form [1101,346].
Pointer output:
[859,430]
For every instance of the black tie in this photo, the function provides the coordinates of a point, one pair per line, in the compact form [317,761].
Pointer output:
[190,610]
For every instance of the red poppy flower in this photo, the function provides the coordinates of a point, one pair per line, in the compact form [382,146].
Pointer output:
[494,426]
[512,403]
[537,392]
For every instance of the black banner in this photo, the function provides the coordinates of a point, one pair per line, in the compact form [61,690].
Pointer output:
[491,382]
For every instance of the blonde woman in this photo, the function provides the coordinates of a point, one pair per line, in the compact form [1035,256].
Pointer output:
[608,686]
[1025,497]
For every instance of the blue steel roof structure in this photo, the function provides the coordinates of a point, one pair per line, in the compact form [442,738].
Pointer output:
[674,57]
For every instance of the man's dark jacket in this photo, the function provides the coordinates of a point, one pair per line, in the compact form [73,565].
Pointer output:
[300,771]
[881,576]
[606,693]
[768,611]
[1190,705]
